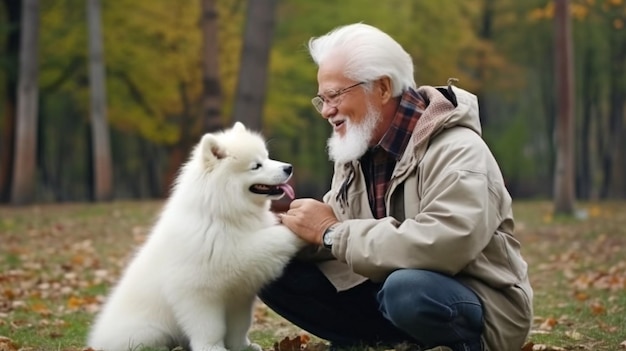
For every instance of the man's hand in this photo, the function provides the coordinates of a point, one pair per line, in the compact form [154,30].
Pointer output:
[309,218]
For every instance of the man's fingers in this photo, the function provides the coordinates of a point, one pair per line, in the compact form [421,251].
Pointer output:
[296,203]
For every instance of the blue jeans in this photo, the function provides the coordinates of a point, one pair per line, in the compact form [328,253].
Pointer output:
[415,306]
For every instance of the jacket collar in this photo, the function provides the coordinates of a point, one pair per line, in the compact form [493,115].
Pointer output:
[400,131]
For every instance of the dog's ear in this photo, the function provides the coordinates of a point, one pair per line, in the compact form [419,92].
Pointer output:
[239,127]
[211,151]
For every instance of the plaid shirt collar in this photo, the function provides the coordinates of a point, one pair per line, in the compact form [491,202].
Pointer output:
[399,133]
[379,162]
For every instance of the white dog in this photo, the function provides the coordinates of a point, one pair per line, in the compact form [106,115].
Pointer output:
[194,281]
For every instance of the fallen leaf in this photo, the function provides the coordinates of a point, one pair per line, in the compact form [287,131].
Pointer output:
[55,335]
[543,347]
[299,343]
[260,313]
[581,296]
[7,344]
[574,335]
[607,327]
[548,324]
[622,345]
[597,308]
[287,344]
[317,346]
[41,308]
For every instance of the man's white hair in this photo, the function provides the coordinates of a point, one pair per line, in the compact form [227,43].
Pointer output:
[369,55]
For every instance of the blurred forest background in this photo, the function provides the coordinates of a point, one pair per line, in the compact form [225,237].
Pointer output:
[124,88]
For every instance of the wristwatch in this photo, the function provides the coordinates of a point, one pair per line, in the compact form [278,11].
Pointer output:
[329,236]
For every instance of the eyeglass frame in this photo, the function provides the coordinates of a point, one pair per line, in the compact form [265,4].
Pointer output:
[319,100]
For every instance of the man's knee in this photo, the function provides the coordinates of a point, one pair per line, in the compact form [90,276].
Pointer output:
[420,300]
[404,298]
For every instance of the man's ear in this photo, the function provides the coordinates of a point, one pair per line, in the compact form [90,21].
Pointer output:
[211,152]
[385,89]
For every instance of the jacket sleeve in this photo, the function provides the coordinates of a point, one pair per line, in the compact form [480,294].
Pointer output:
[457,218]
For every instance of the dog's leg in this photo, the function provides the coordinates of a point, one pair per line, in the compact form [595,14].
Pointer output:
[202,321]
[239,319]
[276,244]
[129,336]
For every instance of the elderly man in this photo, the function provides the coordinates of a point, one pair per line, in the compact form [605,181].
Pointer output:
[414,241]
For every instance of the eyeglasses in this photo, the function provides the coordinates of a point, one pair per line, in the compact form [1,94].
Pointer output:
[332,98]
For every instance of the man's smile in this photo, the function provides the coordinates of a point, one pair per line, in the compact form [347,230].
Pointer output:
[337,123]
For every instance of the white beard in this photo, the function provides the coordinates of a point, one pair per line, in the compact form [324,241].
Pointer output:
[355,142]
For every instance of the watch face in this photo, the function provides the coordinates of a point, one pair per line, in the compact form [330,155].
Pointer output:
[328,238]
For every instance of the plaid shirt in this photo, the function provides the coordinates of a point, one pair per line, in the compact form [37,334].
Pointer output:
[379,162]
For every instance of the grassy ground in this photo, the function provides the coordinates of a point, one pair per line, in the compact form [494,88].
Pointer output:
[57,262]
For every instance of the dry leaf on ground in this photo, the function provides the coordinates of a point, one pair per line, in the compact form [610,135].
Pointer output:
[7,344]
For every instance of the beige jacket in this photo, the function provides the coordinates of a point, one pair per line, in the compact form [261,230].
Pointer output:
[448,211]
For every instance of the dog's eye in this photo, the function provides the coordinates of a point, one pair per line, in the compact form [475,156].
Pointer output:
[256,166]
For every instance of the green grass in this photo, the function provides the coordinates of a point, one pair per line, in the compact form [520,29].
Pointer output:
[58,261]
[578,271]
[56,264]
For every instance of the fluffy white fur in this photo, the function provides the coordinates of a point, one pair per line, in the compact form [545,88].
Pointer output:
[194,281]
[357,138]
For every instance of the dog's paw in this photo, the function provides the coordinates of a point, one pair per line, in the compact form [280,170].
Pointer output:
[254,347]
[211,348]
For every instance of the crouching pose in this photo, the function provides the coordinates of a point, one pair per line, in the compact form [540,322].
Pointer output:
[414,241]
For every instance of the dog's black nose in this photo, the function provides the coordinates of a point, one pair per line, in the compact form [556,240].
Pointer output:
[288,169]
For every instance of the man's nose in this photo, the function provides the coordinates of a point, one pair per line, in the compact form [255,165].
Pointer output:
[328,111]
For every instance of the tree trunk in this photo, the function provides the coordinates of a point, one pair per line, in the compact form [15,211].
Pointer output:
[211,90]
[257,43]
[585,166]
[179,152]
[24,171]
[485,33]
[101,149]
[564,193]
[614,176]
[617,101]
[7,140]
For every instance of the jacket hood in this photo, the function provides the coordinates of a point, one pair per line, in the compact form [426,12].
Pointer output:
[446,107]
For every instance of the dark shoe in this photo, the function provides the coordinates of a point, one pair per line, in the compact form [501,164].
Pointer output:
[406,346]
[467,346]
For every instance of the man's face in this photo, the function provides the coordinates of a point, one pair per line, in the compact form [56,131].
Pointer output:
[352,103]
[353,141]
[354,119]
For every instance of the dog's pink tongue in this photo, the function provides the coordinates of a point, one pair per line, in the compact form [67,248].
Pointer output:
[288,190]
